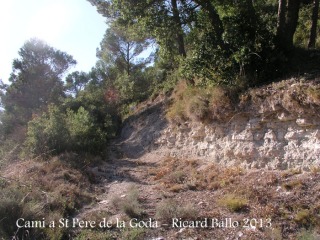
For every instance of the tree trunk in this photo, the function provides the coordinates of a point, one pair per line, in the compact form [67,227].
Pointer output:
[215,19]
[313,30]
[292,20]
[177,20]
[288,14]
[281,24]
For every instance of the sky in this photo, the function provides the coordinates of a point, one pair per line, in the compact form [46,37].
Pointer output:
[72,26]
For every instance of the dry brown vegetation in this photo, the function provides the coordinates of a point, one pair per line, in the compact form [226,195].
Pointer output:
[130,204]
[201,104]
[192,175]
[296,96]
[291,199]
[188,189]
[37,190]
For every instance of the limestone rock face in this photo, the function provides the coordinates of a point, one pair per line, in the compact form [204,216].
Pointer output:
[274,143]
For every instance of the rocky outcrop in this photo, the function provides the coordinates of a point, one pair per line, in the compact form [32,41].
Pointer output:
[281,142]
[275,127]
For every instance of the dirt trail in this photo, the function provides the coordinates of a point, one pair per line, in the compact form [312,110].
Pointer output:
[131,159]
[119,175]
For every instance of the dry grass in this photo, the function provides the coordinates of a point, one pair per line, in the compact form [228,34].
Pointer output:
[293,184]
[201,104]
[296,96]
[129,203]
[50,189]
[170,208]
[222,105]
[177,175]
[289,198]
[304,217]
[9,152]
[96,216]
[313,93]
[89,234]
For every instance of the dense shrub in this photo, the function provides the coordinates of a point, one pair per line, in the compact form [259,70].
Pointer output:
[83,132]
[47,132]
[56,132]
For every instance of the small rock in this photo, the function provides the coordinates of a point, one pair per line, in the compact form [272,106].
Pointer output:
[270,135]
[104,202]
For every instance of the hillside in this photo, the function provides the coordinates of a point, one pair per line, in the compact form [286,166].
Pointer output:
[262,171]
[252,175]
[198,120]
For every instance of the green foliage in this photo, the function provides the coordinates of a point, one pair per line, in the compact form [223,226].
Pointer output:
[35,82]
[121,47]
[125,85]
[121,69]
[76,82]
[301,37]
[247,42]
[48,132]
[84,133]
[56,132]
[210,42]
[102,103]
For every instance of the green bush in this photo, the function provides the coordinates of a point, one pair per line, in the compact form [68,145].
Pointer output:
[47,132]
[56,132]
[83,132]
